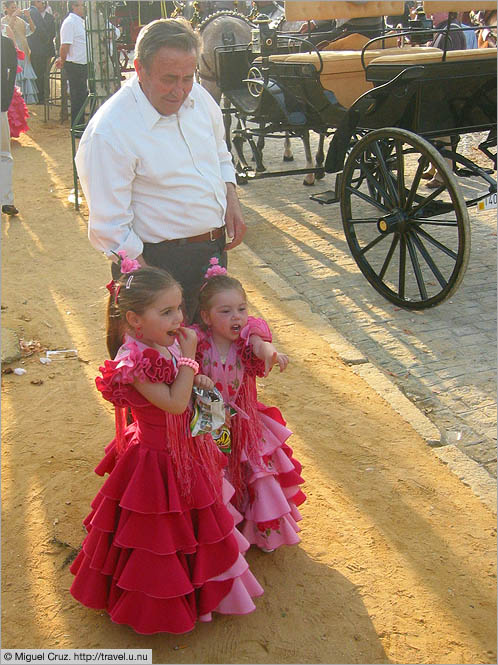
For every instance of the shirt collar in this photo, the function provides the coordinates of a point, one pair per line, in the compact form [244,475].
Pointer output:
[81,18]
[150,115]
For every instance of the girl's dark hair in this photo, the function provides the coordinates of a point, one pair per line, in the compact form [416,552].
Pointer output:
[215,285]
[137,291]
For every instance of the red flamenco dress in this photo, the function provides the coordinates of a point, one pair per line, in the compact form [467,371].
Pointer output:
[261,466]
[17,113]
[162,550]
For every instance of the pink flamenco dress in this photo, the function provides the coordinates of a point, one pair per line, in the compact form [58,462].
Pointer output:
[261,467]
[17,113]
[162,550]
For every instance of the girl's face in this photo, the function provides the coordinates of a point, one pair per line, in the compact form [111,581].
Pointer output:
[160,321]
[11,9]
[227,314]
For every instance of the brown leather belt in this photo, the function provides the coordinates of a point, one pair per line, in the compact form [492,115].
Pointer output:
[214,234]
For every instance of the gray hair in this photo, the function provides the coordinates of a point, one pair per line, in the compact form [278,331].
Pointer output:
[172,32]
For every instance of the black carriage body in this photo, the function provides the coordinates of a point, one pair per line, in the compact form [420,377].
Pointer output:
[444,97]
[291,95]
[429,99]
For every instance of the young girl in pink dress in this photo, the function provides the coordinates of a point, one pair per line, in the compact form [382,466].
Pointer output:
[233,348]
[162,551]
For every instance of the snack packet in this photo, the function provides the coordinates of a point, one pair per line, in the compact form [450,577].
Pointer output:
[209,411]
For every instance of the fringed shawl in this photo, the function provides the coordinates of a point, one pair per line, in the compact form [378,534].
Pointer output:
[235,379]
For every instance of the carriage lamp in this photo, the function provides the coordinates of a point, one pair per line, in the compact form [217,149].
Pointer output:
[264,38]
[419,25]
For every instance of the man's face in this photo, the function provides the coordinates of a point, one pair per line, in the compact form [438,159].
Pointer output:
[168,79]
[79,9]
[40,6]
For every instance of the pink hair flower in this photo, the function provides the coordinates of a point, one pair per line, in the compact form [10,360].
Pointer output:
[127,265]
[215,268]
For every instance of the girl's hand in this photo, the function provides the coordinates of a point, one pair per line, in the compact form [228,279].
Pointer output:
[187,339]
[275,358]
[204,382]
[268,353]
[282,361]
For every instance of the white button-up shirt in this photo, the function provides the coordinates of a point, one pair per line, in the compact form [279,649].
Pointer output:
[73,32]
[149,177]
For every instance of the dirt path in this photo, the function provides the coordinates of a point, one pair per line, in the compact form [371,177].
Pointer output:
[397,560]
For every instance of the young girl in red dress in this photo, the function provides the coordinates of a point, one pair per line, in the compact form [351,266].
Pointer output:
[162,550]
[233,348]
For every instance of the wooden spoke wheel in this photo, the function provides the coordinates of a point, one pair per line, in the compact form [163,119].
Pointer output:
[411,242]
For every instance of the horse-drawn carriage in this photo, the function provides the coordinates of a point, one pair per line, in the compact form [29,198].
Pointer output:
[395,115]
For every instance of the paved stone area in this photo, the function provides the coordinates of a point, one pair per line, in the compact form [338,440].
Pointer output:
[443,359]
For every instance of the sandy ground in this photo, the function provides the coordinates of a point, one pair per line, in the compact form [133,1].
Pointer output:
[397,561]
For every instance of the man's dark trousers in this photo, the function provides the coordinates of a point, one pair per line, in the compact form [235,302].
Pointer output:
[187,263]
[77,76]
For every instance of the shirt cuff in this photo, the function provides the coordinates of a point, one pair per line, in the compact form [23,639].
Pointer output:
[228,173]
[133,248]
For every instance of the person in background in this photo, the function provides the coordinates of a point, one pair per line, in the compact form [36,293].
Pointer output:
[41,43]
[9,70]
[486,38]
[470,35]
[73,56]
[456,40]
[453,41]
[26,77]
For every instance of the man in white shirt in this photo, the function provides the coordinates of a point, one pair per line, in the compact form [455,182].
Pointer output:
[154,166]
[73,57]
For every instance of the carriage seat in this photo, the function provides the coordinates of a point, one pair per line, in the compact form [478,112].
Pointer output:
[342,71]
[468,54]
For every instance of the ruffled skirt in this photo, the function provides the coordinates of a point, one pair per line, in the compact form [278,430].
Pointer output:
[26,80]
[272,494]
[17,114]
[152,561]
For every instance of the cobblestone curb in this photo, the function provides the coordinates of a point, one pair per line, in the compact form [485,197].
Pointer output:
[467,470]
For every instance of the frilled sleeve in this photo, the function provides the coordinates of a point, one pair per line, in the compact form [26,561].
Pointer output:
[253,365]
[130,364]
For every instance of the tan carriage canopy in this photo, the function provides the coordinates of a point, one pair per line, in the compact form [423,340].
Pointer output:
[435,6]
[296,10]
[299,10]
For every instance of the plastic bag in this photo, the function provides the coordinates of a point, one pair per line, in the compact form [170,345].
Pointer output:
[210,417]
[209,411]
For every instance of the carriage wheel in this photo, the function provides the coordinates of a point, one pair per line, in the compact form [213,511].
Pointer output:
[412,243]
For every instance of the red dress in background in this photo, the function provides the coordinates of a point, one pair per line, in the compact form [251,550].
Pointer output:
[17,112]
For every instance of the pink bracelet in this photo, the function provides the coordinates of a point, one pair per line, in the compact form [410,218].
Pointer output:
[188,362]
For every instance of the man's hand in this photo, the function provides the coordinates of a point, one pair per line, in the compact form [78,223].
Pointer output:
[234,221]
[63,53]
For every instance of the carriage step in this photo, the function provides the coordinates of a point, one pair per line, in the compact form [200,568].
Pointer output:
[325,197]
